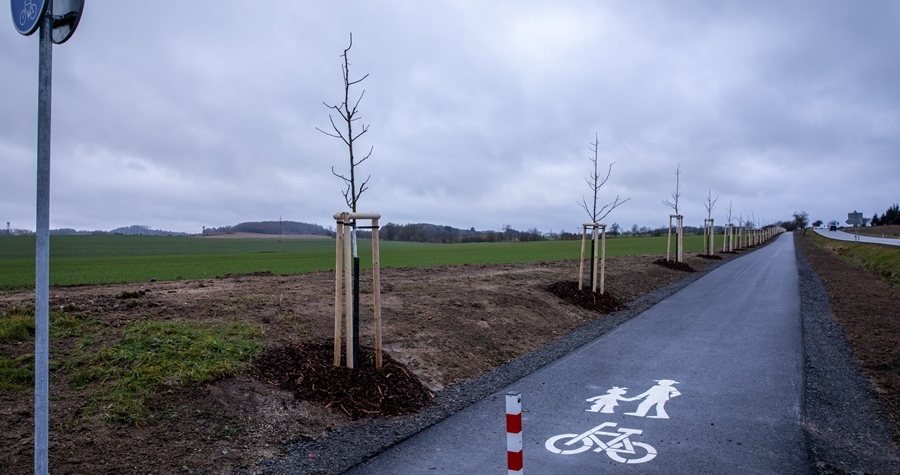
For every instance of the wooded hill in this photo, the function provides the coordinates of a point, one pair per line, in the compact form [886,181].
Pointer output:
[272,227]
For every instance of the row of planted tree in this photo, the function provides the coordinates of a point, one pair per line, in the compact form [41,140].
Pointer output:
[734,238]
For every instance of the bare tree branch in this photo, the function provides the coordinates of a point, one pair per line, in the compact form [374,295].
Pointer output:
[710,204]
[349,116]
[677,193]
[595,182]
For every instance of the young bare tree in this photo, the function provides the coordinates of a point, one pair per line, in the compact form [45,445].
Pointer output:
[729,217]
[348,115]
[354,189]
[710,204]
[595,182]
[677,193]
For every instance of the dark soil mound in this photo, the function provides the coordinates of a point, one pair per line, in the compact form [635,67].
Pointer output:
[585,298]
[674,265]
[308,371]
[714,257]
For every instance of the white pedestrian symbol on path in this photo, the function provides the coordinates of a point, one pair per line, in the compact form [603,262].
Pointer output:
[657,396]
[607,402]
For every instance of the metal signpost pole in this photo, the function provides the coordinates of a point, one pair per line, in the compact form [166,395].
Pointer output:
[855,219]
[56,25]
[42,256]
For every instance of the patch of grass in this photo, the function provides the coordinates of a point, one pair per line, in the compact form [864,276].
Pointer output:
[17,325]
[124,375]
[151,355]
[880,260]
[17,374]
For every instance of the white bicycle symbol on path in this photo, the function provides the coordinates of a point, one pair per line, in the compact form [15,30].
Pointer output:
[616,448]
[29,10]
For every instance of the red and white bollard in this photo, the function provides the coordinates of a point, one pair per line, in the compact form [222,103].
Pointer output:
[514,433]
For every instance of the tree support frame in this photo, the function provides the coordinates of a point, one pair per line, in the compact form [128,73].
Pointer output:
[344,302]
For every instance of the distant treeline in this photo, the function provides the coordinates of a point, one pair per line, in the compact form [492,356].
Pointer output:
[272,227]
[889,217]
[134,229]
[423,232]
[418,232]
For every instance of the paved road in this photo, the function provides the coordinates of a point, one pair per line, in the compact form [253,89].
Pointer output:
[711,377]
[844,236]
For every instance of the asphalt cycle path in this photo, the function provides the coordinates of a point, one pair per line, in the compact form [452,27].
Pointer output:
[845,236]
[707,381]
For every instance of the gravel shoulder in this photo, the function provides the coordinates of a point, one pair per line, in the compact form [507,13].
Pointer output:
[849,426]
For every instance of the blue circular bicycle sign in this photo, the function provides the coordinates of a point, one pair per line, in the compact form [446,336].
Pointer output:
[26,14]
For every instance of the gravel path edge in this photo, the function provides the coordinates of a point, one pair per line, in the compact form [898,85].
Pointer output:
[846,425]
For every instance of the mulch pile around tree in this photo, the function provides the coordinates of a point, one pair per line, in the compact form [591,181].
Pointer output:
[714,257]
[308,371]
[568,291]
[682,266]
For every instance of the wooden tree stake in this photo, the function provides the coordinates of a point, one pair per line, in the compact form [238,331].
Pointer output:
[599,261]
[344,259]
[338,308]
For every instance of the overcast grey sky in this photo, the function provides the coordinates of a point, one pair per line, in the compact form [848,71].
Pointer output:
[178,115]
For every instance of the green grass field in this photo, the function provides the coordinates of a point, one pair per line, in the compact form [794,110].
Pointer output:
[881,260]
[97,259]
